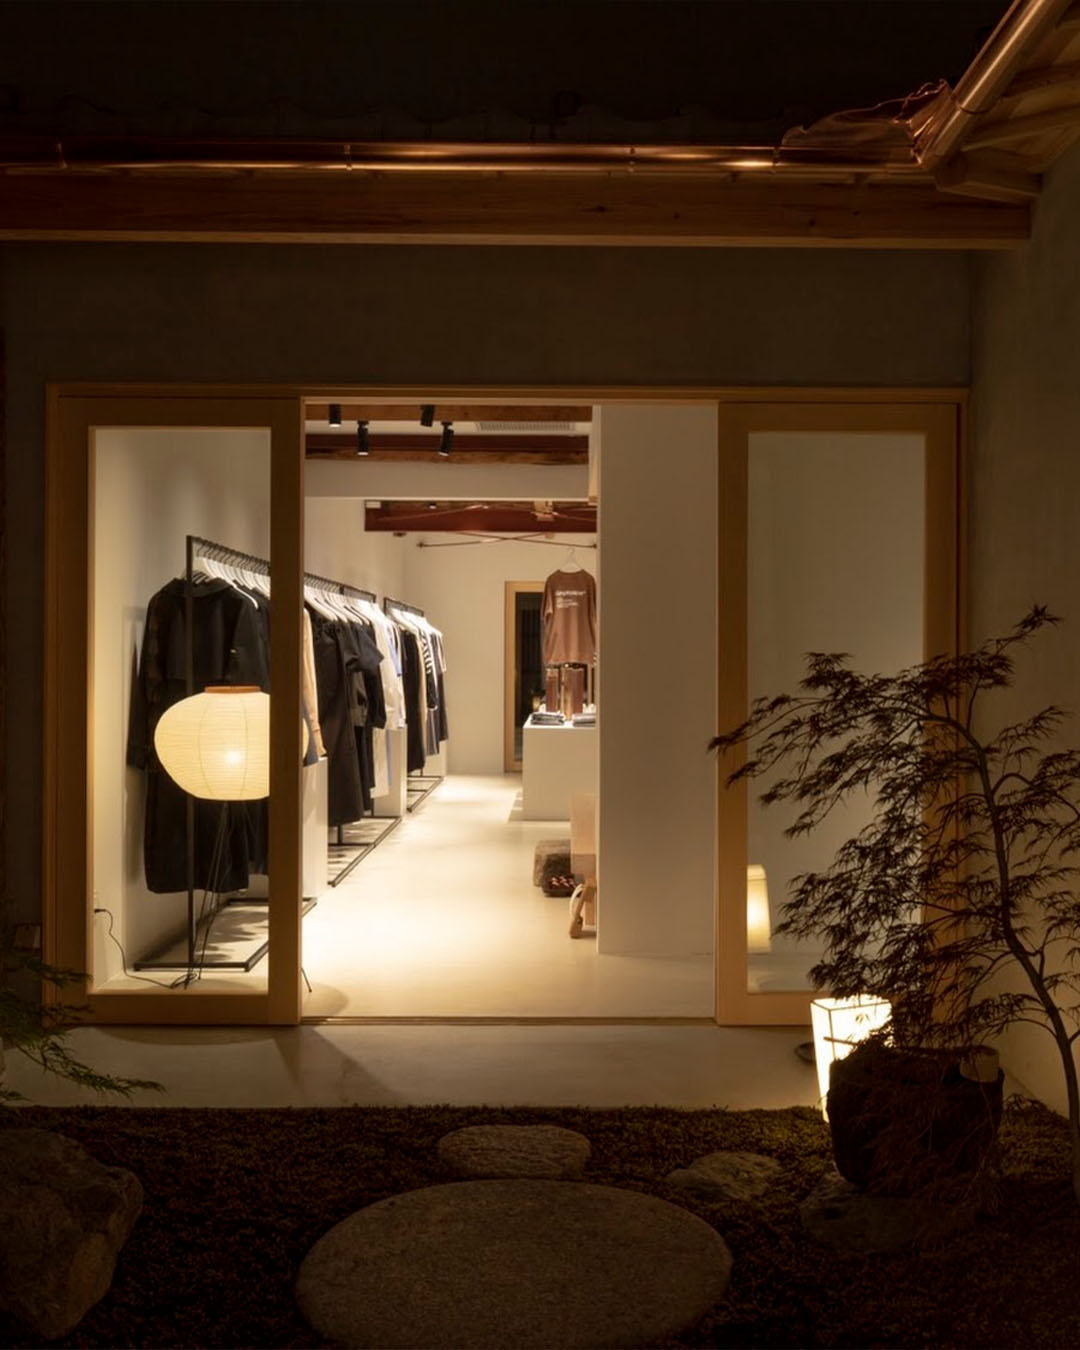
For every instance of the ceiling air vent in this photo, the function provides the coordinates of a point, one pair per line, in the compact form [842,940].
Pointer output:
[526,426]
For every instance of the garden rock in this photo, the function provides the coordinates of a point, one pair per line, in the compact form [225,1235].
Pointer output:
[63,1219]
[513,1263]
[842,1216]
[503,1151]
[728,1175]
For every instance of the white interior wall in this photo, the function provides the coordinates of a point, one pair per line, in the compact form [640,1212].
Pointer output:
[835,562]
[337,546]
[462,590]
[151,488]
[657,679]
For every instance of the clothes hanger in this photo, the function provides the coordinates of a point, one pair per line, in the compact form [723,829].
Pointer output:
[571,563]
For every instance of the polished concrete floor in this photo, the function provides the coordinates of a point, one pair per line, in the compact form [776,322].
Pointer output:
[442,920]
[420,1064]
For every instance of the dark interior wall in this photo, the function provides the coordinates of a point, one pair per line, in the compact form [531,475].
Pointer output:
[1024,489]
[263,313]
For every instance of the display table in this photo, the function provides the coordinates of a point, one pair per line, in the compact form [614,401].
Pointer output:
[555,763]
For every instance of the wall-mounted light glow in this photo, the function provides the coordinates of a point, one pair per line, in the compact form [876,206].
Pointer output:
[839,1025]
[447,439]
[758,925]
[363,441]
[335,414]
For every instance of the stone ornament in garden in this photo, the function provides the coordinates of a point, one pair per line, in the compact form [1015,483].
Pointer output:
[63,1219]
[730,1175]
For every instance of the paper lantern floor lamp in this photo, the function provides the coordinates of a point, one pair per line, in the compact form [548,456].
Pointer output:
[216,746]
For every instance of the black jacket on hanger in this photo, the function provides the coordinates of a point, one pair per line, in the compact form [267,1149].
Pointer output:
[230,645]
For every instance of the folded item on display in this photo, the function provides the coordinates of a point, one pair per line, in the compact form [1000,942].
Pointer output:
[543,718]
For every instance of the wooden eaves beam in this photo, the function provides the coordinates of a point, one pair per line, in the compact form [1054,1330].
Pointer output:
[498,208]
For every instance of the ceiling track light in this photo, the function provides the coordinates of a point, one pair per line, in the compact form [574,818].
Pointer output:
[446,440]
[335,414]
[363,441]
[427,414]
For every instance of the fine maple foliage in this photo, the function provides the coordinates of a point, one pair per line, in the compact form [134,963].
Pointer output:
[960,900]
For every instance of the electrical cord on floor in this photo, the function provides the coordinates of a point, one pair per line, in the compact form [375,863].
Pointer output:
[146,979]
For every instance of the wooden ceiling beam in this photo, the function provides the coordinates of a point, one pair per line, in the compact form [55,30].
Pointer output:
[522,449]
[1017,128]
[984,175]
[492,208]
[480,517]
[452,412]
[1043,77]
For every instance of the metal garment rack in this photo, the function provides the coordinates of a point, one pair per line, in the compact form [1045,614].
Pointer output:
[432,780]
[197,547]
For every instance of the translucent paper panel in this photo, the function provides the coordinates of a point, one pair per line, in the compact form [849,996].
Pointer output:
[835,562]
[150,645]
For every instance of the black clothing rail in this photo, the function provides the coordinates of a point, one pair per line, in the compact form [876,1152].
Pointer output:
[196,546]
[209,548]
[389,604]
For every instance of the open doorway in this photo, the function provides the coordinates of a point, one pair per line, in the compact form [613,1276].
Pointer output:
[443,916]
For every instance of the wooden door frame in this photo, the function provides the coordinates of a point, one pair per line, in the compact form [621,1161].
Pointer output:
[74,408]
[73,415]
[512,589]
[941,423]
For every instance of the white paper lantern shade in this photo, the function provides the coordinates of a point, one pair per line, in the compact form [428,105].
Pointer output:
[216,745]
[839,1025]
[758,925]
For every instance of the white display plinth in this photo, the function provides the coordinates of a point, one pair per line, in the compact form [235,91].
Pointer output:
[556,762]
[393,804]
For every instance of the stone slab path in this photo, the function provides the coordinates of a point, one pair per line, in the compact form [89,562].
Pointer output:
[512,1263]
[501,1151]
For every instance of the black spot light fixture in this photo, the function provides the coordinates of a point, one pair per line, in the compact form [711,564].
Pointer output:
[335,414]
[363,441]
[427,414]
[446,440]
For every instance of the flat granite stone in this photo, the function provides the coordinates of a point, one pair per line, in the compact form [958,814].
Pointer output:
[512,1263]
[850,1220]
[546,1152]
[730,1174]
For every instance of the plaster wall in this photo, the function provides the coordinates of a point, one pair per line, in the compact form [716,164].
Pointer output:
[1024,488]
[411,315]
[337,546]
[657,679]
[462,591]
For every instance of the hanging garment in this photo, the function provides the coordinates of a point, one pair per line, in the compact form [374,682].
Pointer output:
[230,644]
[569,611]
[370,711]
[414,711]
[337,686]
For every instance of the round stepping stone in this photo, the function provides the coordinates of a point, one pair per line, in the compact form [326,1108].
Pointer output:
[546,1152]
[730,1174]
[513,1263]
